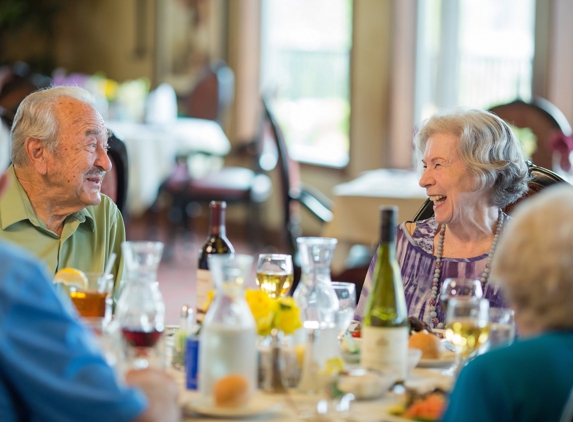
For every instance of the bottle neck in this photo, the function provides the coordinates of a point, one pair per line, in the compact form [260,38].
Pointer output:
[387,250]
[218,221]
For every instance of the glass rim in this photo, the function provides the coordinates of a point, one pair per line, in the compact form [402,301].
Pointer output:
[275,255]
[313,240]
[143,243]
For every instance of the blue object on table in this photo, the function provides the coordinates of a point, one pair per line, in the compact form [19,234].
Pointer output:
[192,362]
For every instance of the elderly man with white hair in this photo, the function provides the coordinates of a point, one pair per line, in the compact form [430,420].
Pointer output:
[532,379]
[53,206]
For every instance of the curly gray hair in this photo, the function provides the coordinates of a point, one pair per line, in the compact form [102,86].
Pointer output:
[487,147]
[533,264]
[36,117]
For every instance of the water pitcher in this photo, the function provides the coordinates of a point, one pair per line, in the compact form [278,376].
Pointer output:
[318,302]
[228,337]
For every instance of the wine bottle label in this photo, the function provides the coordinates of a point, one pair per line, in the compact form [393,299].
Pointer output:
[385,349]
[204,286]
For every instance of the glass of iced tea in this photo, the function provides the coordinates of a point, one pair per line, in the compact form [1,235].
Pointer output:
[95,300]
[275,274]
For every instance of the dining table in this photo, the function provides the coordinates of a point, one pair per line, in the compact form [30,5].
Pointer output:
[356,216]
[152,149]
[293,405]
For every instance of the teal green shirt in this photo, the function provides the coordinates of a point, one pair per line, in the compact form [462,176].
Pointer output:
[528,381]
[88,238]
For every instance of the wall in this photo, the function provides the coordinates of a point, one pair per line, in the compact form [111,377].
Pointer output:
[100,35]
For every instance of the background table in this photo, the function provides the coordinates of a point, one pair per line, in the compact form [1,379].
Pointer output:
[152,149]
[356,216]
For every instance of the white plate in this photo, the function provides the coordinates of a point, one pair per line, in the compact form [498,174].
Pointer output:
[447,359]
[256,406]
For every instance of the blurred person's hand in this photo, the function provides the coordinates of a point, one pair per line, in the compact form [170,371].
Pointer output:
[161,391]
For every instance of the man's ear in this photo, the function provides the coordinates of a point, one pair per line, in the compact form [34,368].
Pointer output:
[36,152]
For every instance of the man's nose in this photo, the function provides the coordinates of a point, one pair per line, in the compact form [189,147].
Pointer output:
[103,161]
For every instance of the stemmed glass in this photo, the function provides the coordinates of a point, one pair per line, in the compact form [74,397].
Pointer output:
[346,293]
[275,274]
[467,327]
[459,287]
[140,313]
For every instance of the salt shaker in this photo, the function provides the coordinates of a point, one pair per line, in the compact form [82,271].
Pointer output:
[186,328]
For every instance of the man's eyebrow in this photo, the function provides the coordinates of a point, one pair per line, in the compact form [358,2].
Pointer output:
[93,132]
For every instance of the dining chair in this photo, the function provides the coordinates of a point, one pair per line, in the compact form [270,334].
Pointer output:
[293,192]
[249,186]
[542,117]
[115,181]
[213,93]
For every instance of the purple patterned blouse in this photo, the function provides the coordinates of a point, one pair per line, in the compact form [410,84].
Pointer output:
[416,259]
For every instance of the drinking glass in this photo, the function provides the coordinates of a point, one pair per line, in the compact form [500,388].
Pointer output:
[467,327]
[346,293]
[140,313]
[275,274]
[95,300]
[501,328]
[459,287]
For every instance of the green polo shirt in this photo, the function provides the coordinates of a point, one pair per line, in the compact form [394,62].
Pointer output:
[88,238]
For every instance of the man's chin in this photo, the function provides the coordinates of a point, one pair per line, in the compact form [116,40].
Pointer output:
[92,199]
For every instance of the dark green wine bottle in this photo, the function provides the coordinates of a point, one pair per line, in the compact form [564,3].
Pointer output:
[385,325]
[216,243]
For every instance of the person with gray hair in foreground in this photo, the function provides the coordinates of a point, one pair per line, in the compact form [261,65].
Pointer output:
[532,379]
[53,206]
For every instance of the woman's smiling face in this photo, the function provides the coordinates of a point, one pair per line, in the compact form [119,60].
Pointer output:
[448,182]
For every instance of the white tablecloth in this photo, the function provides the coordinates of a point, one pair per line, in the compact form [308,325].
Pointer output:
[356,216]
[152,149]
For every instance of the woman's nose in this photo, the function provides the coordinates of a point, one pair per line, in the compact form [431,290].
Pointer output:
[426,179]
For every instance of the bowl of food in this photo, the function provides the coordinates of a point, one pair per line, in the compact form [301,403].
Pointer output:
[365,384]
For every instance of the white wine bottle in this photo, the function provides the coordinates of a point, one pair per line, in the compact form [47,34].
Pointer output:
[216,243]
[385,322]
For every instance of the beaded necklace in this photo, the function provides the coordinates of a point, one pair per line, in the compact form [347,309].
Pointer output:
[438,269]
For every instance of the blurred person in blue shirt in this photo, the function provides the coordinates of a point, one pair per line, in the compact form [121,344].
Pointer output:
[51,367]
[531,380]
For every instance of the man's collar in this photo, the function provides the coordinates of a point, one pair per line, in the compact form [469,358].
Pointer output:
[15,206]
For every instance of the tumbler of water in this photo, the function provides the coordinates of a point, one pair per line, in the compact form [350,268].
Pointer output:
[502,328]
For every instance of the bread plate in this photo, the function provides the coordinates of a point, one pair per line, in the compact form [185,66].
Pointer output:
[256,407]
[448,358]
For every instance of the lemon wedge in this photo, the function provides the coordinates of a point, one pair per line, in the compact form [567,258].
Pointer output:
[71,277]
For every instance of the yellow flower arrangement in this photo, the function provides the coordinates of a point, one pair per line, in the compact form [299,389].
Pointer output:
[269,313]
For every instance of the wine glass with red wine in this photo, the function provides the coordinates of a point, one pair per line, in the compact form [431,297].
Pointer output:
[140,313]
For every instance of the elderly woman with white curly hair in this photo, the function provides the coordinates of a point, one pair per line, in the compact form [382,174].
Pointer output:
[473,166]
[532,379]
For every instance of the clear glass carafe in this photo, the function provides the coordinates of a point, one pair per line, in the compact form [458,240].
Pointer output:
[319,306]
[315,295]
[227,341]
[141,259]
